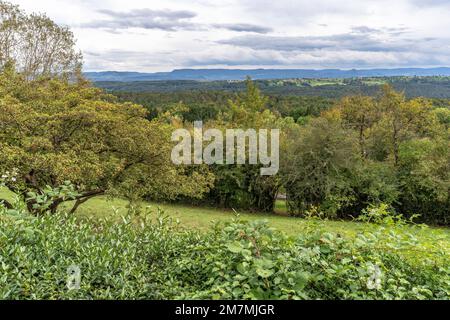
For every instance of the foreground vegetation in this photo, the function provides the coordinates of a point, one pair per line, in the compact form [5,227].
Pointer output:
[147,256]
[126,251]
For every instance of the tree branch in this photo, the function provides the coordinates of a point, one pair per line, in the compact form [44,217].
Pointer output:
[85,197]
[78,200]
[92,193]
[6,204]
[78,203]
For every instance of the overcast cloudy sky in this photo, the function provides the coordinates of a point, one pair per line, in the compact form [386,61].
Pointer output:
[154,35]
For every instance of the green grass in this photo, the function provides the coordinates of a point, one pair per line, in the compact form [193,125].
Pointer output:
[202,218]
[5,194]
[431,241]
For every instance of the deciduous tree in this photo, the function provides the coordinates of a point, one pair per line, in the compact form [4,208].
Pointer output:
[36,44]
[54,131]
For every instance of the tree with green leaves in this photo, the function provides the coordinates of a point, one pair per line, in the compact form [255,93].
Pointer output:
[359,113]
[54,131]
[402,120]
[318,163]
[242,185]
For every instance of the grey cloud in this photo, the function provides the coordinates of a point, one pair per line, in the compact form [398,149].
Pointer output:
[430,3]
[123,60]
[243,27]
[166,20]
[379,31]
[351,41]
[397,31]
[254,45]
[365,29]
[128,60]
[232,61]
[150,14]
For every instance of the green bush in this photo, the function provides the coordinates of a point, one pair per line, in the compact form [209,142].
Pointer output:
[150,257]
[424,176]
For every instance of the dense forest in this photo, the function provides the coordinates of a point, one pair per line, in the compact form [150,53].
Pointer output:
[205,105]
[430,87]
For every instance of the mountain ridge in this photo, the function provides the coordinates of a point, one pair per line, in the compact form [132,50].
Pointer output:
[261,74]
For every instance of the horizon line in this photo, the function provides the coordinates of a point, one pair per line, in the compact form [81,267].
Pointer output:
[269,69]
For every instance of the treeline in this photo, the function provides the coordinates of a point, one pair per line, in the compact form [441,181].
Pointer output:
[206,105]
[430,87]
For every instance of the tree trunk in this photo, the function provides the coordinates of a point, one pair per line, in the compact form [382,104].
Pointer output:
[362,142]
[396,145]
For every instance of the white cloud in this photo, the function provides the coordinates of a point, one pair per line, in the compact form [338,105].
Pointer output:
[137,35]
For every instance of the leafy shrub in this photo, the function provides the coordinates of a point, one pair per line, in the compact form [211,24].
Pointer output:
[367,151]
[151,257]
[252,261]
[424,176]
[381,214]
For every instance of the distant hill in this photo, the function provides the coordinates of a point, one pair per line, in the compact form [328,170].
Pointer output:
[261,74]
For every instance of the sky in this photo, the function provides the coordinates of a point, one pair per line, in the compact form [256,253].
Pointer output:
[154,35]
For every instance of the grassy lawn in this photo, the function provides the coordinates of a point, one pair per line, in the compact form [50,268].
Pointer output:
[201,218]
[429,240]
